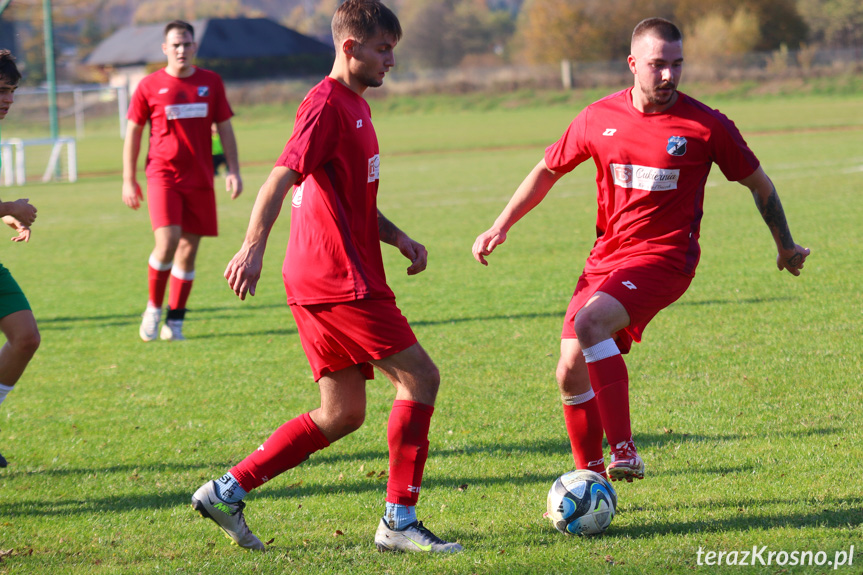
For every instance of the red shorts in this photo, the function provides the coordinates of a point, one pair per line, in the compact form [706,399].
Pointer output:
[338,335]
[643,288]
[194,210]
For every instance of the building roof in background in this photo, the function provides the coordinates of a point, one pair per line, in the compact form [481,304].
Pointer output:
[217,38]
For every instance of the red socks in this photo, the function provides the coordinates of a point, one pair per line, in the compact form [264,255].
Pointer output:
[407,437]
[293,442]
[181,287]
[610,382]
[584,427]
[290,445]
[181,284]
[158,281]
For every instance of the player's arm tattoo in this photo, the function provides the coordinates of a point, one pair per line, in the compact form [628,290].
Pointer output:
[387,231]
[774,216]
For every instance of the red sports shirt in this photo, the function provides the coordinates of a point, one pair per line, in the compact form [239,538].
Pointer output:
[334,250]
[651,172]
[181,112]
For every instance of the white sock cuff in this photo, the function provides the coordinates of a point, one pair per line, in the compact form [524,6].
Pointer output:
[602,350]
[578,399]
[5,389]
[159,266]
[183,275]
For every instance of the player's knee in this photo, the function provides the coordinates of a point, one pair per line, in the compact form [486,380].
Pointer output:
[429,377]
[589,329]
[25,344]
[351,420]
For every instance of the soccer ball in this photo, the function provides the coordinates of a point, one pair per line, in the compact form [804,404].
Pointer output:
[581,502]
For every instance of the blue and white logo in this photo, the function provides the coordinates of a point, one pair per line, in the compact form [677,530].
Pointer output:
[676,146]
[203,91]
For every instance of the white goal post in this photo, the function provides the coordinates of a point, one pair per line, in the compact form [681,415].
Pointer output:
[13,158]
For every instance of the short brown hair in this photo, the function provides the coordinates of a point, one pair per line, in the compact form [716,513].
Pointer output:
[362,19]
[659,27]
[180,25]
[8,69]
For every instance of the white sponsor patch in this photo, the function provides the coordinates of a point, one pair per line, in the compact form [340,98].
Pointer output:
[644,177]
[183,111]
[374,168]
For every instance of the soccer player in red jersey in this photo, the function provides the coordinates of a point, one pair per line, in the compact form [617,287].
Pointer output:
[334,277]
[16,318]
[181,102]
[653,148]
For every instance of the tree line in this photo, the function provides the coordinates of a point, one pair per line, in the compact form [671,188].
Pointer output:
[448,33]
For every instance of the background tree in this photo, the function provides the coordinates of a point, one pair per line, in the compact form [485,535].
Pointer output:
[714,41]
[836,23]
[439,34]
[583,30]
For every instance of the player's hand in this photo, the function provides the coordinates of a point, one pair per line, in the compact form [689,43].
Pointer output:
[243,272]
[792,260]
[22,211]
[486,242]
[415,252]
[23,231]
[234,184]
[132,195]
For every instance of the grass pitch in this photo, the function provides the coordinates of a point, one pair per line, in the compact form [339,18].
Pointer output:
[746,394]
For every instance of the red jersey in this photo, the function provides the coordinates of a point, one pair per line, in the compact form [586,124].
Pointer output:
[651,172]
[334,250]
[181,112]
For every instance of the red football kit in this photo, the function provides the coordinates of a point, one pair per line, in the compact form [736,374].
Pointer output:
[336,286]
[651,172]
[179,169]
[334,250]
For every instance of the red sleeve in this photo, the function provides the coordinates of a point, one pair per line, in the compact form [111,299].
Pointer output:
[730,151]
[313,142]
[139,107]
[222,110]
[571,149]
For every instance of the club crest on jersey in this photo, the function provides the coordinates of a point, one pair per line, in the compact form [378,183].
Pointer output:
[203,91]
[676,146]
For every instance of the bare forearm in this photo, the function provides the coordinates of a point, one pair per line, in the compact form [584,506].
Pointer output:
[771,211]
[268,206]
[387,231]
[529,194]
[131,151]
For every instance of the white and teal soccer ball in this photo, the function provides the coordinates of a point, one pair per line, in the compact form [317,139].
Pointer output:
[581,502]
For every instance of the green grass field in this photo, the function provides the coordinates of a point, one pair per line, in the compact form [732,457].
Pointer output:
[746,394]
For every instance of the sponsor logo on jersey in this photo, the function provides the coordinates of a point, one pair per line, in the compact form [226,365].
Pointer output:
[676,145]
[374,168]
[629,285]
[609,131]
[644,177]
[203,91]
[163,90]
[359,124]
[297,198]
[184,111]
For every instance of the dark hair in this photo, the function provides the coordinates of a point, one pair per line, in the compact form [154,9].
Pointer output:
[8,70]
[362,19]
[180,25]
[659,27]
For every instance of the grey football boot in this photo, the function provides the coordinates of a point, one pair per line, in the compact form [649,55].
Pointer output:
[228,516]
[414,537]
